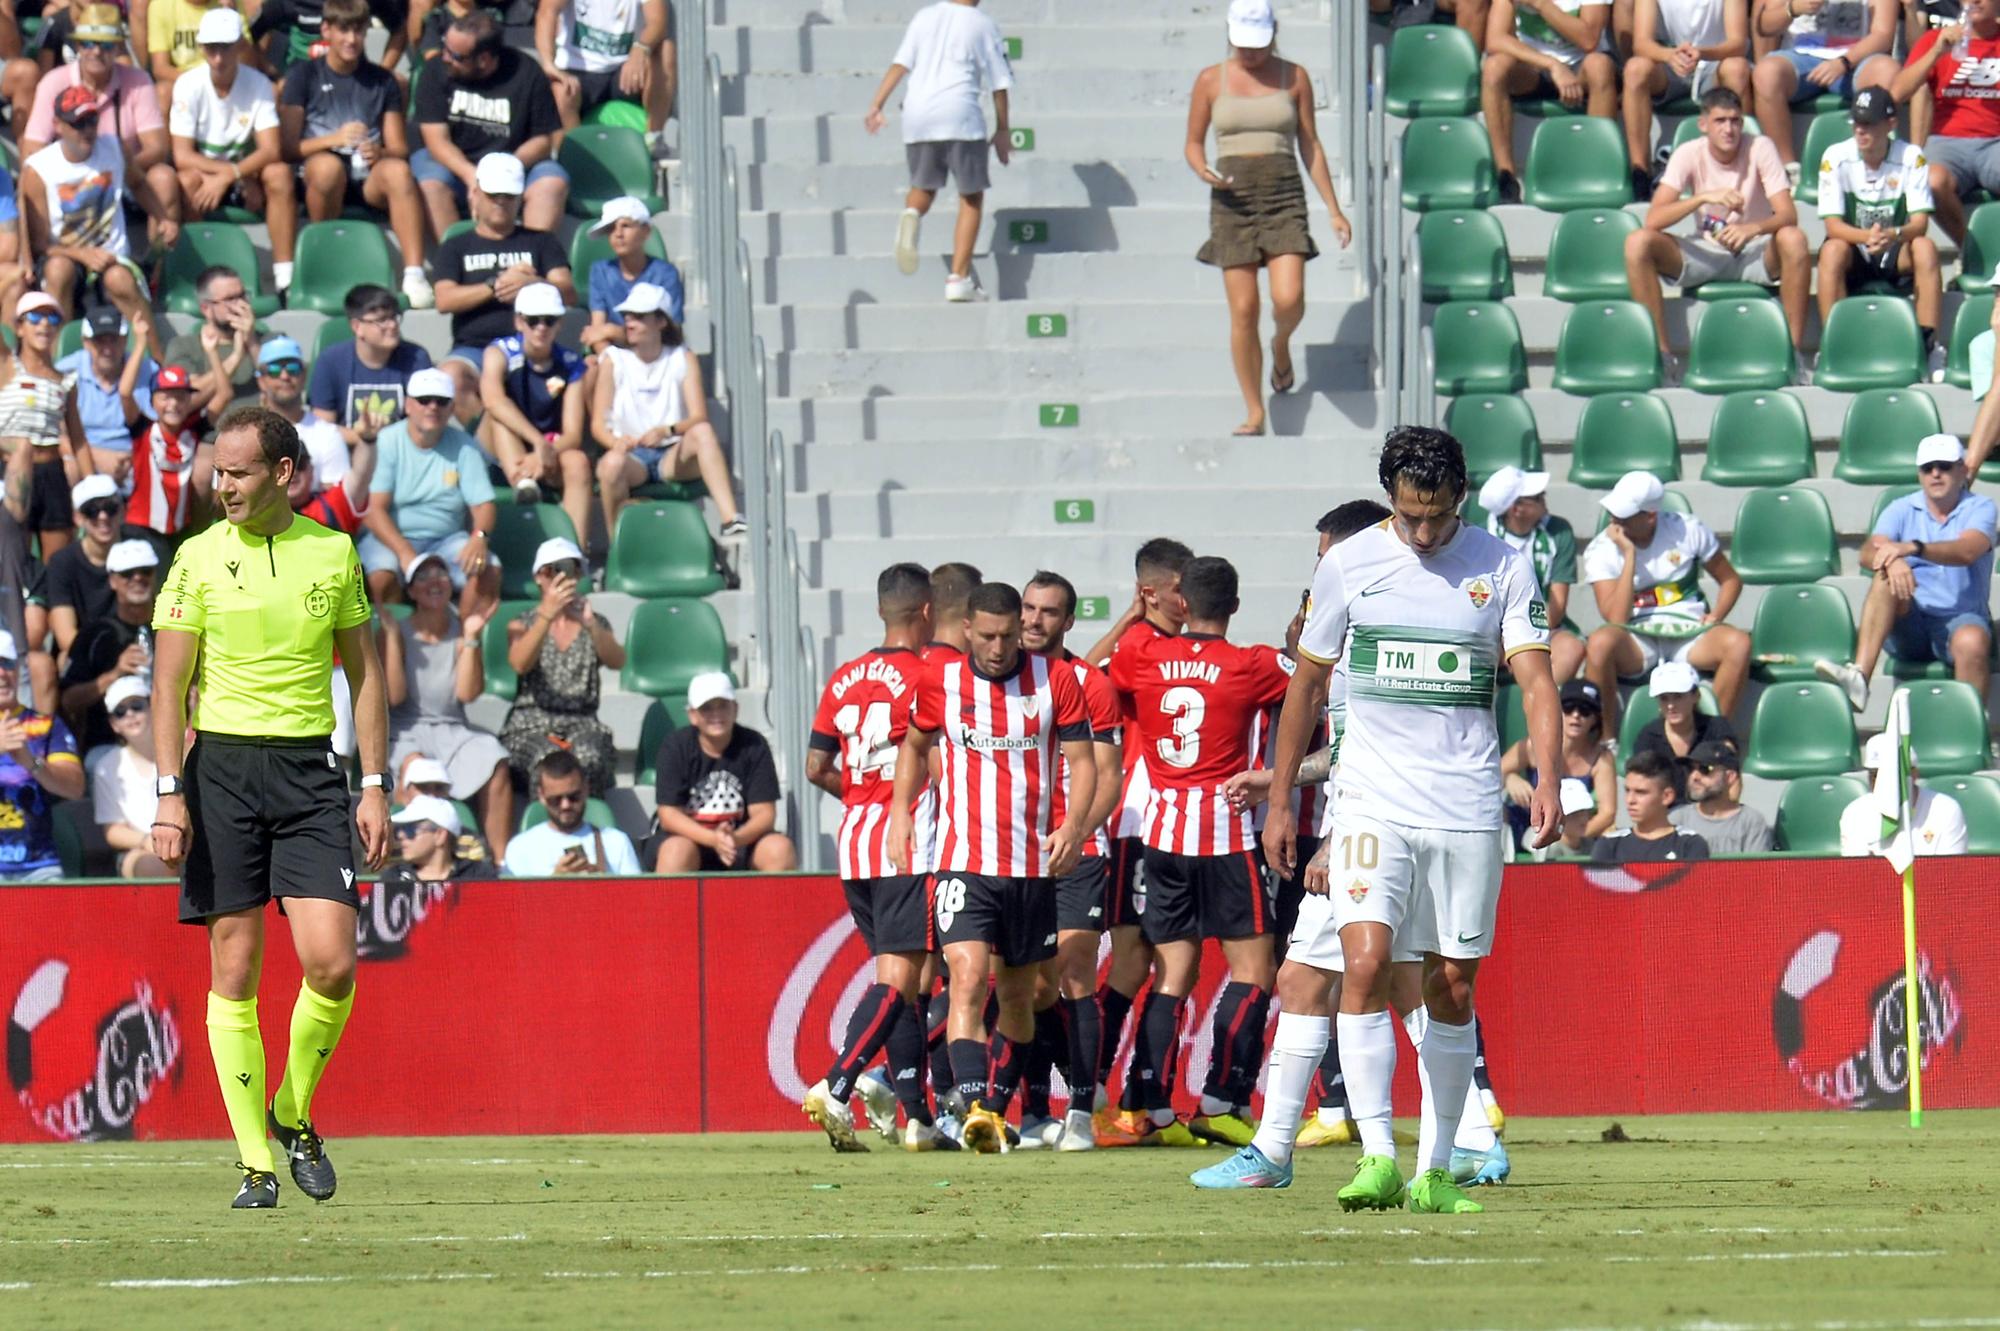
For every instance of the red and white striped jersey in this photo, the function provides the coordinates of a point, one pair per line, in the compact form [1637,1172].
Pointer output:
[163,476]
[999,740]
[1100,705]
[1310,801]
[862,715]
[1198,698]
[1138,788]
[924,816]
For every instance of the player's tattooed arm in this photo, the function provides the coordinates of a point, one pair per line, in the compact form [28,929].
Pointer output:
[1315,767]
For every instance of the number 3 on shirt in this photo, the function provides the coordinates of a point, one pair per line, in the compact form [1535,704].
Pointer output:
[1187,707]
[868,747]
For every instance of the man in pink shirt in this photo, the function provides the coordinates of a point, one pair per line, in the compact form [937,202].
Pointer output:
[1746,227]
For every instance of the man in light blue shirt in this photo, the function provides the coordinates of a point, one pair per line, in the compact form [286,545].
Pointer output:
[98,365]
[1931,554]
[567,843]
[430,496]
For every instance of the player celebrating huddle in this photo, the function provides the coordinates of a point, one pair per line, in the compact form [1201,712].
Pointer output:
[999,718]
[1422,610]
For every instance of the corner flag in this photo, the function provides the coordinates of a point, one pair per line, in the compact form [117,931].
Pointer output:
[1895,801]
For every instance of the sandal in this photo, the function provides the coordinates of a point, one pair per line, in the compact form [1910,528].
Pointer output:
[1290,382]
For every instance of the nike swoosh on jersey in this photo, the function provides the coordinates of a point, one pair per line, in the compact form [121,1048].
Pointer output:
[1375,591]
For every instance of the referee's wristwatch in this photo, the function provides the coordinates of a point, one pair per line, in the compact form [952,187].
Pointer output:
[169,785]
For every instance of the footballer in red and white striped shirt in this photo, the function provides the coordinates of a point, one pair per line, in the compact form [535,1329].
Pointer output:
[999,718]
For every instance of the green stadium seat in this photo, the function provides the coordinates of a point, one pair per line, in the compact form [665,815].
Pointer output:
[1621,432]
[661,550]
[68,836]
[1587,256]
[1784,535]
[333,330]
[1827,129]
[1433,71]
[1447,163]
[1607,346]
[517,530]
[1878,440]
[1478,346]
[1758,437]
[1870,342]
[1809,812]
[1947,727]
[686,491]
[334,258]
[595,812]
[1739,344]
[1975,316]
[1802,729]
[204,245]
[1496,431]
[586,249]
[1979,797]
[1464,255]
[604,162]
[663,717]
[1642,709]
[1708,293]
[501,681]
[669,642]
[618,111]
[1809,622]
[1578,162]
[1979,260]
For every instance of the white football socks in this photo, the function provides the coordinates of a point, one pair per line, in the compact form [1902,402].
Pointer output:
[1296,1049]
[1368,1064]
[1446,1057]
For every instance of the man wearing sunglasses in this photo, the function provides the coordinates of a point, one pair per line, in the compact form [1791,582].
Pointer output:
[123,797]
[115,647]
[281,387]
[530,384]
[114,370]
[1931,554]
[567,843]
[1714,809]
[488,98]
[428,832]
[79,578]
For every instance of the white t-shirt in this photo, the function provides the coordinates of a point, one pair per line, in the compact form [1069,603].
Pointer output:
[326,448]
[596,35]
[1693,22]
[224,128]
[86,200]
[644,394]
[1535,32]
[122,788]
[1666,585]
[950,50]
[1422,639]
[1940,826]
[535,852]
[1890,193]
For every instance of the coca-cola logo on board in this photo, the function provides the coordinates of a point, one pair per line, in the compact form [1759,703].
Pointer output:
[1839,1018]
[84,1058]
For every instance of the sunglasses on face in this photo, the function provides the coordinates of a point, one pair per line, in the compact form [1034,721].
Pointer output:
[563,798]
[274,368]
[104,48]
[126,709]
[415,829]
[540,320]
[1930,468]
[1710,769]
[49,318]
[1579,709]
[436,403]
[98,512]
[563,568]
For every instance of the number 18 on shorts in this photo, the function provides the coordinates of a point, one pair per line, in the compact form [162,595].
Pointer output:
[1437,889]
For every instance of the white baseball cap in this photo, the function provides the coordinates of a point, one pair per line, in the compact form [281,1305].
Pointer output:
[1636,492]
[554,551]
[1939,448]
[97,485]
[124,689]
[500,173]
[426,772]
[1673,677]
[538,298]
[8,651]
[219,27]
[128,555]
[708,686]
[1507,486]
[417,561]
[1878,752]
[1251,23]
[1576,797]
[644,298]
[428,809]
[624,208]
[432,382]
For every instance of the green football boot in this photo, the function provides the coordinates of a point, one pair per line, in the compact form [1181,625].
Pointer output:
[1433,1191]
[1377,1185]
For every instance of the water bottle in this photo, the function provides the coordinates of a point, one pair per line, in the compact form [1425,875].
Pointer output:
[146,643]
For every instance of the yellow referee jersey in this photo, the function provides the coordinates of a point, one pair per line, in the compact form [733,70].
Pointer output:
[265,608]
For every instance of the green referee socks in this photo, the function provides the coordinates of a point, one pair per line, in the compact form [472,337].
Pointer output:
[317,1022]
[238,1050]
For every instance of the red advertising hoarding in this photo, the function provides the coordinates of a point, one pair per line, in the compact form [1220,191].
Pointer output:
[672,1005]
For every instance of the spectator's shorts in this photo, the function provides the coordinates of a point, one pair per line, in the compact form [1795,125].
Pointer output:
[1080,895]
[379,558]
[471,355]
[1807,89]
[1206,896]
[1653,648]
[1702,260]
[1691,88]
[595,87]
[426,167]
[1921,635]
[1973,163]
[1016,917]
[963,159]
[650,459]
[48,496]
[269,819]
[1437,889]
[1863,268]
[892,913]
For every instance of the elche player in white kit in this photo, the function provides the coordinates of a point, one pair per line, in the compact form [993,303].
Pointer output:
[1422,610]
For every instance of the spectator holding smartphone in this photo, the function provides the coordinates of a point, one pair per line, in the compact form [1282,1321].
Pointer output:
[557,647]
[567,843]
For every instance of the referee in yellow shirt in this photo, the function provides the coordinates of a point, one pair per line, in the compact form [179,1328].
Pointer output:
[253,611]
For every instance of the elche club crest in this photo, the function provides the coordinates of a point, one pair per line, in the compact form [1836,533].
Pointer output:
[1479,591]
[85,1054]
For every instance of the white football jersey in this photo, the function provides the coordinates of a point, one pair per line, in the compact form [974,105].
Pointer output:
[1666,583]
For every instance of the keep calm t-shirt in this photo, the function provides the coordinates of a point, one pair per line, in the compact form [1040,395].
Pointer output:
[471,258]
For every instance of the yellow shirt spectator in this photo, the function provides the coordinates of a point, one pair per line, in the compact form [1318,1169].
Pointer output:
[170,35]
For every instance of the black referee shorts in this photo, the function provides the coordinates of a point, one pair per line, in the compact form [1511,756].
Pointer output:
[269,819]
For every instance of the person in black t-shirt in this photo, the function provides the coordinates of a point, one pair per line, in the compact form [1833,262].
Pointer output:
[479,272]
[113,646]
[1649,793]
[487,98]
[1681,725]
[717,791]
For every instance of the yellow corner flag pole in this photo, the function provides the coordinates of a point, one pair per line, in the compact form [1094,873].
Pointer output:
[1895,800]
[1912,1036]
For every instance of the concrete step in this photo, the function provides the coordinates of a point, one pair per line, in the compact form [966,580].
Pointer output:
[881,181]
[1012,273]
[1006,324]
[1182,42]
[1114,415]
[1075,136]
[1037,370]
[1086,465]
[1173,232]
[1011,15]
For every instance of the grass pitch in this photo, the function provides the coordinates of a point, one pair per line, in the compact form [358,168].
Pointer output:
[1716,1223]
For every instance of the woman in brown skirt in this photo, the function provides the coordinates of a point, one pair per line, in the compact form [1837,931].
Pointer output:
[1262,111]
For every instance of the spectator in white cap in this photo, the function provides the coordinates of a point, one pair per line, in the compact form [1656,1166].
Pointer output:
[535,402]
[557,648]
[1579,810]
[79,585]
[1931,557]
[122,780]
[1939,819]
[432,667]
[628,228]
[1517,511]
[1682,726]
[717,791]
[487,99]
[428,846]
[38,417]
[480,272]
[38,766]
[598,51]
[650,415]
[1645,569]
[431,495]
[114,646]
[223,120]
[421,774]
